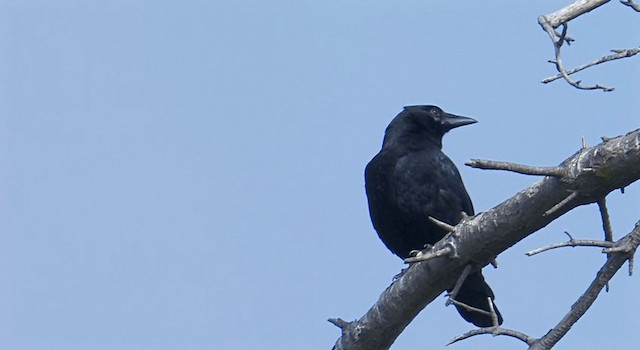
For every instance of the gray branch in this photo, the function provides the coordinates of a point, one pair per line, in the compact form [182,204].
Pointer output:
[495,331]
[569,12]
[627,247]
[618,54]
[572,243]
[592,172]
[516,168]
[557,44]
[562,17]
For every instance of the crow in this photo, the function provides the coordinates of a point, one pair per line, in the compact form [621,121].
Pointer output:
[411,179]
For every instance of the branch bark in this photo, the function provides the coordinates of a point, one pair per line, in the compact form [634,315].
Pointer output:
[569,12]
[591,173]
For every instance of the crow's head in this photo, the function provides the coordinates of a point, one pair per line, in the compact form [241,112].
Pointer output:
[418,125]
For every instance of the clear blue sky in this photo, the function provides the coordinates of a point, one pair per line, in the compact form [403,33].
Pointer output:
[189,175]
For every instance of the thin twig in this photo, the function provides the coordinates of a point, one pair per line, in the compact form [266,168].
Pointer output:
[459,282]
[568,234]
[495,331]
[619,54]
[562,203]
[556,171]
[469,307]
[567,39]
[606,225]
[443,225]
[585,145]
[572,243]
[340,323]
[606,222]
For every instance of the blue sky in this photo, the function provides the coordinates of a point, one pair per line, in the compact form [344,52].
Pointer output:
[189,175]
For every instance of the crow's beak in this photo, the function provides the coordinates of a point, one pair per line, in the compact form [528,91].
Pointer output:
[452,121]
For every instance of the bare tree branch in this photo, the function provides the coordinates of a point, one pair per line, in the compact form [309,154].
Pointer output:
[571,243]
[625,249]
[443,225]
[340,323]
[606,224]
[629,243]
[494,331]
[571,197]
[572,11]
[468,307]
[557,44]
[516,168]
[618,54]
[593,172]
[561,18]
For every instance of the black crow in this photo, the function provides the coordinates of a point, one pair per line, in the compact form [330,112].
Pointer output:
[411,179]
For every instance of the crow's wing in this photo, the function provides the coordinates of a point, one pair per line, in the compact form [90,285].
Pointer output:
[429,184]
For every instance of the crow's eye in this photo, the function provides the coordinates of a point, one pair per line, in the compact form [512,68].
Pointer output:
[435,113]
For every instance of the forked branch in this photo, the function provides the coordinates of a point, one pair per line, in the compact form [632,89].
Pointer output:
[627,247]
[562,17]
